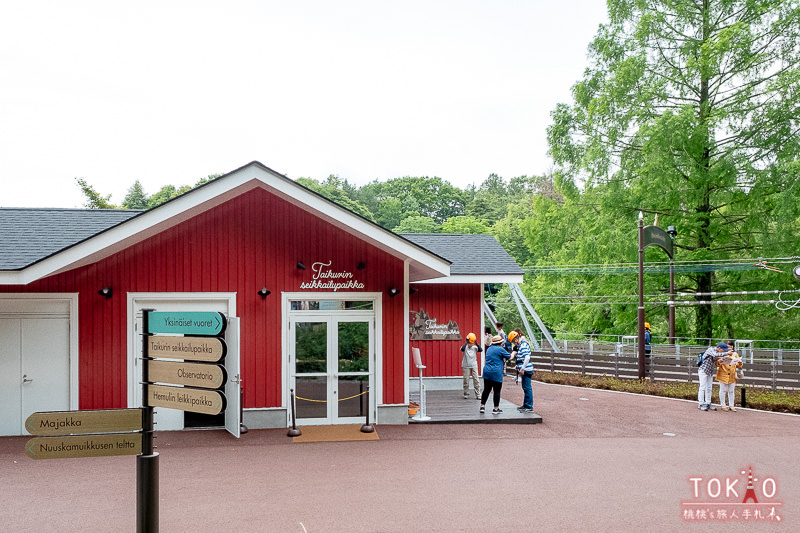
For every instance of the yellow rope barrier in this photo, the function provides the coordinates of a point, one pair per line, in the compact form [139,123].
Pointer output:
[326,401]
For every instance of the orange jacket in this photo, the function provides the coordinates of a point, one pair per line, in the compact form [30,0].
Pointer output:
[727,373]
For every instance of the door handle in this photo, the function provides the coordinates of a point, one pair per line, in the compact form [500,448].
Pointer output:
[25,379]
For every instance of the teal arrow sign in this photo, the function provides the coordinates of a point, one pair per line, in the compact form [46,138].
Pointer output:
[186,322]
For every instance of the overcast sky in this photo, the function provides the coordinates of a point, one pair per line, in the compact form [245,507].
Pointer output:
[168,92]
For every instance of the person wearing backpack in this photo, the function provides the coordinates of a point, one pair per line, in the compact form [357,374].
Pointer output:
[647,336]
[705,373]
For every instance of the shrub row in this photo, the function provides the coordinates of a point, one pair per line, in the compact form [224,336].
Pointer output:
[757,398]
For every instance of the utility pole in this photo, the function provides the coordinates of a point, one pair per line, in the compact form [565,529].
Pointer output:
[640,311]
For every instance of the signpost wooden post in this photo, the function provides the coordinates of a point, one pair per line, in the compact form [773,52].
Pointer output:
[147,461]
[64,434]
[195,340]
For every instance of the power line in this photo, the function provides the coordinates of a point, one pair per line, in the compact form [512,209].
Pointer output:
[663,267]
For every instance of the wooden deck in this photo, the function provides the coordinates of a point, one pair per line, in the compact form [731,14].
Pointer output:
[450,407]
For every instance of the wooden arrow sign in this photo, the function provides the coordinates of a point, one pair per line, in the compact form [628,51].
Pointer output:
[206,349]
[186,322]
[209,402]
[82,422]
[203,375]
[84,446]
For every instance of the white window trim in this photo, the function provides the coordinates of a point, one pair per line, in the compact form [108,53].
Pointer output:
[377,300]
[133,297]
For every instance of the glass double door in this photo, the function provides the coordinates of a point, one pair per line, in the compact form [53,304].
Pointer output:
[331,367]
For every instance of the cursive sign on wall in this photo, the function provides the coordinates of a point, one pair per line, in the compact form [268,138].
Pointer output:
[425,328]
[326,278]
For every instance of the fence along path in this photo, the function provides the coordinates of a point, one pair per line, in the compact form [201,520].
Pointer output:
[761,372]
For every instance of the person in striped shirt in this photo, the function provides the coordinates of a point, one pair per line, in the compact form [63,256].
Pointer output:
[522,354]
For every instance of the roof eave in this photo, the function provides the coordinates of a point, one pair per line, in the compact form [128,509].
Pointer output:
[251,176]
[475,278]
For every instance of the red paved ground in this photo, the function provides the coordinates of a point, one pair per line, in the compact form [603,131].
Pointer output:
[602,464]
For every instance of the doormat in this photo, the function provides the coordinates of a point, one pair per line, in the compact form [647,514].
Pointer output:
[333,434]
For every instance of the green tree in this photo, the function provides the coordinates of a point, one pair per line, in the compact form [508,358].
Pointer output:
[136,197]
[165,194]
[391,212]
[491,200]
[465,225]
[334,189]
[94,200]
[689,110]
[418,224]
[433,197]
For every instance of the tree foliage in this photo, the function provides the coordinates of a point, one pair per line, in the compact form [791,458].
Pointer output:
[93,199]
[689,110]
[136,197]
[418,224]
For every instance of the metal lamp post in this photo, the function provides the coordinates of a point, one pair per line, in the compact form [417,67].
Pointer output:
[655,236]
[672,234]
[640,310]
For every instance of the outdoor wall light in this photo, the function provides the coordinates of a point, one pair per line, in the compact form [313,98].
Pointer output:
[393,292]
[264,292]
[300,265]
[105,291]
[361,265]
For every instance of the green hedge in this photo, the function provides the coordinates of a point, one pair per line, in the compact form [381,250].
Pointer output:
[757,397]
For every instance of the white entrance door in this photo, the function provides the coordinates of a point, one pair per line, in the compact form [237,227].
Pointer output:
[174,419]
[331,359]
[35,370]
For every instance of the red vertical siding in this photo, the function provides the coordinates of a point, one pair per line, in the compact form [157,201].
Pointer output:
[459,302]
[250,242]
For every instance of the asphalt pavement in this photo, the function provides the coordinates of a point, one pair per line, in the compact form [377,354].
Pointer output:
[600,460]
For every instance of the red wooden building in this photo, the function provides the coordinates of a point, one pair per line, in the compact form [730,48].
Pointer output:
[321,301]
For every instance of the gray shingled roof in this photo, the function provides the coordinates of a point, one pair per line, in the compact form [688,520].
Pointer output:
[30,235]
[469,254]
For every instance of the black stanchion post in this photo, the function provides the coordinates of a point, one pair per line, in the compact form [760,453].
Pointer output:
[293,431]
[367,427]
[147,462]
[744,395]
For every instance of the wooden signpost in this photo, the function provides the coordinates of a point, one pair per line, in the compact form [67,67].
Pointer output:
[87,433]
[185,385]
[209,402]
[188,385]
[206,349]
[202,346]
[187,322]
[203,375]
[84,446]
[83,422]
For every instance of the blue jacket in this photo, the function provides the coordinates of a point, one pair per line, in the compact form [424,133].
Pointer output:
[496,356]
